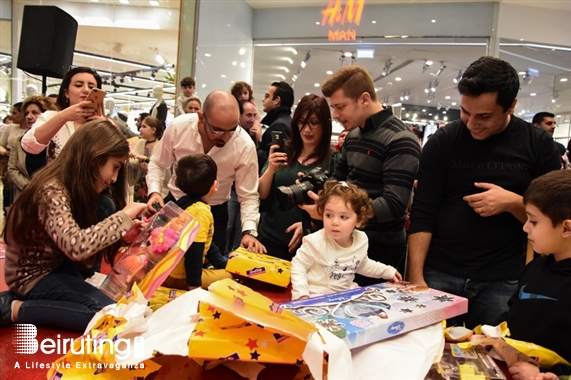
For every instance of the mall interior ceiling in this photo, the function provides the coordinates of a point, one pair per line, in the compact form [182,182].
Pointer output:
[412,71]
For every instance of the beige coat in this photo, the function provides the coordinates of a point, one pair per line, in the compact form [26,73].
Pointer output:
[17,162]
[136,169]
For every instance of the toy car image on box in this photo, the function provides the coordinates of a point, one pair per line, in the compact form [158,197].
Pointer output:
[376,312]
[259,267]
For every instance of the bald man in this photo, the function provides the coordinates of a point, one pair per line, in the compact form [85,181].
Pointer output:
[213,131]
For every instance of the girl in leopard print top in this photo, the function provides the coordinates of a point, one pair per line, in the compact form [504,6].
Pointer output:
[53,226]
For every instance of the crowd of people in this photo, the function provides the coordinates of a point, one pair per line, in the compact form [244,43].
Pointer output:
[479,188]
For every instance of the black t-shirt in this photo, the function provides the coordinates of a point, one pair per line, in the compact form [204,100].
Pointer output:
[464,244]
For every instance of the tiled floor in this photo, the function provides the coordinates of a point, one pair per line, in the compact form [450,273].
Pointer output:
[9,358]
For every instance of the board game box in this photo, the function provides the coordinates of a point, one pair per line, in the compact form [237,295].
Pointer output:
[376,312]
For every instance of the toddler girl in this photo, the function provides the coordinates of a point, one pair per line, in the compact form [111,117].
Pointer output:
[328,259]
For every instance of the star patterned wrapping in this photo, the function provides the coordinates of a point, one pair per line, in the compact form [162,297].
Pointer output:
[376,312]
[259,267]
[237,323]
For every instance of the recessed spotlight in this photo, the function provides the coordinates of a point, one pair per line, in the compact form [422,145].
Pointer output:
[242,64]
[234,63]
[223,76]
[433,21]
[242,51]
[317,23]
[447,97]
[424,110]
[207,55]
[398,79]
[316,85]
[558,116]
[522,73]
[203,85]
[329,72]
[307,93]
[428,101]
[374,22]
[453,103]
[563,80]
[430,114]
[532,94]
[154,3]
[429,63]
[444,112]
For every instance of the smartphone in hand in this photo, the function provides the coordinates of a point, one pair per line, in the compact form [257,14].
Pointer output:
[278,139]
[96,95]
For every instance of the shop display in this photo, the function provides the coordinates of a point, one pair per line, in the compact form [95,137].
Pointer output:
[259,267]
[376,312]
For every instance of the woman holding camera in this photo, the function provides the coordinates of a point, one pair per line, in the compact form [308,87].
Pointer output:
[309,147]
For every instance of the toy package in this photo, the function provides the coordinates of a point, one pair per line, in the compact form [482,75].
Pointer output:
[474,363]
[376,312]
[153,252]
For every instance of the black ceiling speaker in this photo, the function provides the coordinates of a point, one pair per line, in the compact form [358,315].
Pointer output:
[47,41]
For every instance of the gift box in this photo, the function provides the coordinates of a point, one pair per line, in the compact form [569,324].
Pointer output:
[472,363]
[237,323]
[376,312]
[259,267]
[153,252]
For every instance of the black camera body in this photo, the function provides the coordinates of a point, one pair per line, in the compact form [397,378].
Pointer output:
[296,194]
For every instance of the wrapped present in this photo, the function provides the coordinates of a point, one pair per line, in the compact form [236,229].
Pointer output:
[153,253]
[259,267]
[237,323]
[376,312]
[162,296]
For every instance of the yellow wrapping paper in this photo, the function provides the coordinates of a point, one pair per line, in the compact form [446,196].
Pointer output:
[93,354]
[162,296]
[237,323]
[259,267]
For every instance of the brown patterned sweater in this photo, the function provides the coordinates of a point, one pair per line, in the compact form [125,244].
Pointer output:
[25,265]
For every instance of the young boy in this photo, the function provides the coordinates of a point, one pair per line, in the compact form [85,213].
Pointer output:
[187,85]
[196,177]
[539,311]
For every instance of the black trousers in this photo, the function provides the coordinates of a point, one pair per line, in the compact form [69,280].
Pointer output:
[220,215]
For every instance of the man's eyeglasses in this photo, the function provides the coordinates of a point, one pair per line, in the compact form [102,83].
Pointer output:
[313,124]
[218,132]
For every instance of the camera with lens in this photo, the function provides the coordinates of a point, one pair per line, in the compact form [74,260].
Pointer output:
[296,194]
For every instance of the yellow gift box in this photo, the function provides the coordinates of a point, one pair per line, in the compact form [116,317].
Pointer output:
[237,323]
[259,267]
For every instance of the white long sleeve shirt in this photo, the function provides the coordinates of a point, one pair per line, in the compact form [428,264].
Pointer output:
[321,266]
[31,145]
[237,161]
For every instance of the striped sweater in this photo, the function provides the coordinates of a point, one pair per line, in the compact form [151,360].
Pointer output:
[382,158]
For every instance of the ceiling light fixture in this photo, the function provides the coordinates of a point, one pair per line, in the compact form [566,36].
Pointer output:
[441,69]
[387,69]
[426,66]
[427,89]
[458,77]
[154,3]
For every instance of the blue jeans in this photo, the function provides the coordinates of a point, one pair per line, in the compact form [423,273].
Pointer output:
[62,299]
[234,228]
[487,301]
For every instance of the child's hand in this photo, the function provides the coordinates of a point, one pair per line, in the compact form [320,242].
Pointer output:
[397,277]
[523,371]
[135,209]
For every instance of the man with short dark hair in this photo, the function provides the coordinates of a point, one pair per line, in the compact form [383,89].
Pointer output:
[546,121]
[140,119]
[465,234]
[380,155]
[277,104]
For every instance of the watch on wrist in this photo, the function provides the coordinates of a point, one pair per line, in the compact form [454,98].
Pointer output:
[253,233]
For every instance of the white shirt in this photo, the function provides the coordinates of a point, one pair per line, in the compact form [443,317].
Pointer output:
[237,161]
[31,145]
[321,266]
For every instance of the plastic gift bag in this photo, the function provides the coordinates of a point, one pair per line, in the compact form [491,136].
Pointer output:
[153,254]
